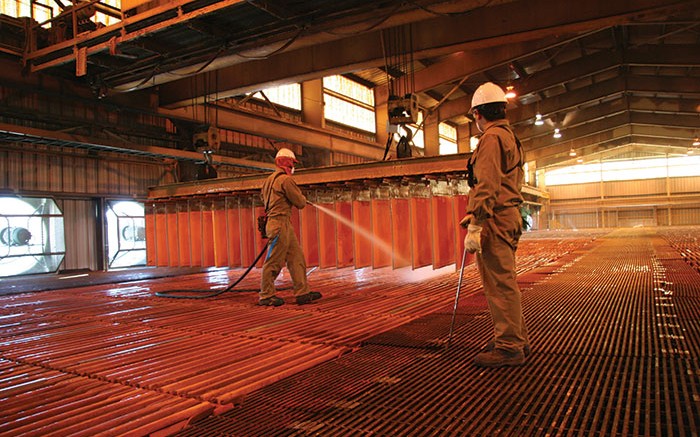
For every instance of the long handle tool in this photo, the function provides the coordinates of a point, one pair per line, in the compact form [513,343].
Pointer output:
[459,288]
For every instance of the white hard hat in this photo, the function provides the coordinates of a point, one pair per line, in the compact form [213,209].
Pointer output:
[488,92]
[284,152]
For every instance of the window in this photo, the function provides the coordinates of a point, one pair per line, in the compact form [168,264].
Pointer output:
[288,96]
[624,170]
[44,10]
[349,103]
[448,139]
[126,234]
[31,236]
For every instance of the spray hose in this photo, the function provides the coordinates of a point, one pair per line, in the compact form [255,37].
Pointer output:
[209,294]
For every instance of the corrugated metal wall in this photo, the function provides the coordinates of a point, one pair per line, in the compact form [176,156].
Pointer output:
[44,169]
[653,202]
[78,179]
[80,227]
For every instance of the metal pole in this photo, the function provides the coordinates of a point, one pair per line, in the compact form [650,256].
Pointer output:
[459,287]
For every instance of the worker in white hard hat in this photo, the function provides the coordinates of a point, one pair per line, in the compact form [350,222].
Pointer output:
[494,226]
[279,194]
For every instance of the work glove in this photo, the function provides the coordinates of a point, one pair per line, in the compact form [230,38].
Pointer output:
[472,241]
[466,220]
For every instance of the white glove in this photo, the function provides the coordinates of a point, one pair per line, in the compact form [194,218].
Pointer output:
[472,241]
[466,220]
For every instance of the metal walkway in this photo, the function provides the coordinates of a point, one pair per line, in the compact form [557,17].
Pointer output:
[614,321]
[616,340]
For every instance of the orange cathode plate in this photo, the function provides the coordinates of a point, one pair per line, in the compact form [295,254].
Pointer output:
[233,235]
[248,230]
[220,231]
[196,233]
[309,235]
[172,231]
[344,232]
[327,237]
[184,241]
[401,232]
[443,231]
[150,216]
[381,229]
[161,235]
[420,231]
[207,233]
[362,217]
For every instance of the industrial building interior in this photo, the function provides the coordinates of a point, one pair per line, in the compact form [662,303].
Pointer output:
[135,136]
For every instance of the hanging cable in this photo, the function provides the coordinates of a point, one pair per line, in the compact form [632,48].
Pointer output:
[449,14]
[377,23]
[274,52]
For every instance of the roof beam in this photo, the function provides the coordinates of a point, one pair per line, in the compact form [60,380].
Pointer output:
[42,136]
[277,129]
[485,27]
[603,131]
[628,84]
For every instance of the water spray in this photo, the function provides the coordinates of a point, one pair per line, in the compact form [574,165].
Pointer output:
[378,242]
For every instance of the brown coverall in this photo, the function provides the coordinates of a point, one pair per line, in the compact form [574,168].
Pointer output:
[284,246]
[494,202]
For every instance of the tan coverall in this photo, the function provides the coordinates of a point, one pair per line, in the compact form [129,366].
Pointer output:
[494,202]
[284,246]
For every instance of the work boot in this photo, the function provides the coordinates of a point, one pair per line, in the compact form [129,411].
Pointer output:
[499,358]
[308,297]
[491,345]
[272,301]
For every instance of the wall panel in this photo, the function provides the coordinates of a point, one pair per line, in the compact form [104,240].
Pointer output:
[685,185]
[80,227]
[577,191]
[58,170]
[634,188]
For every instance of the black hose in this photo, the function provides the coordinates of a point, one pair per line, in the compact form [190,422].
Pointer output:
[214,294]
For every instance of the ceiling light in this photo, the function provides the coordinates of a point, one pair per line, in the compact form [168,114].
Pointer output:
[510,92]
[696,142]
[580,160]
[557,134]
[690,151]
[538,119]
[572,152]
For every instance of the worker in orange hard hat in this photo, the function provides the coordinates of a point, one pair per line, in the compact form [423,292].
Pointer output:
[494,226]
[279,194]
